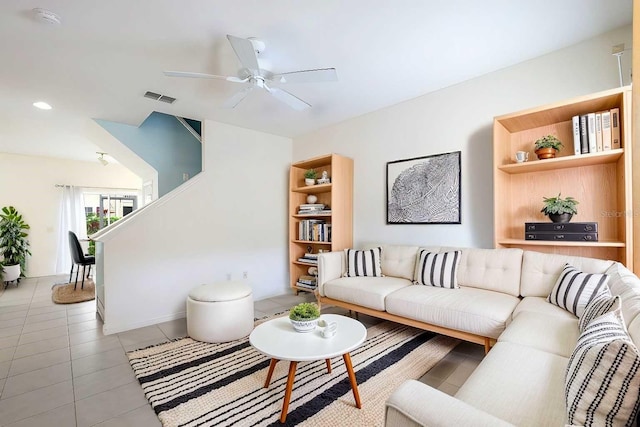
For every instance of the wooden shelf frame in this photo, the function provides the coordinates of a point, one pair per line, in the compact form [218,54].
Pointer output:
[601,181]
[338,195]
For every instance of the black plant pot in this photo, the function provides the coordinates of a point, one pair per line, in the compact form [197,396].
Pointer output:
[565,217]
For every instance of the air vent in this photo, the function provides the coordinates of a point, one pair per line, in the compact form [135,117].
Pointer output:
[167,99]
[159,97]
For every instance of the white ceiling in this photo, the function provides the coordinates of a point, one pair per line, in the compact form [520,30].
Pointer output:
[106,54]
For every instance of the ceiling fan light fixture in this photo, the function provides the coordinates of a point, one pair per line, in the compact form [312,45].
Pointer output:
[101,158]
[46,16]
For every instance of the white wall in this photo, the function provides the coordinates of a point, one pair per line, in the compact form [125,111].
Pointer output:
[229,219]
[457,118]
[28,183]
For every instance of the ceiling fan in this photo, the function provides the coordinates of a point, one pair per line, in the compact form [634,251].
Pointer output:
[247,51]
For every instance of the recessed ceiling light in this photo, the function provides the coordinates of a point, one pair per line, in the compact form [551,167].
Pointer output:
[42,105]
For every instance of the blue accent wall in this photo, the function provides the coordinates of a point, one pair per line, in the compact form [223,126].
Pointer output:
[163,142]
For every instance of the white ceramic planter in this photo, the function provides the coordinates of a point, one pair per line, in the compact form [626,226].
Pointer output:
[11,273]
[304,325]
[309,181]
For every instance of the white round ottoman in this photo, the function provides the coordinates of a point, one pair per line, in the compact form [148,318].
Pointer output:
[220,312]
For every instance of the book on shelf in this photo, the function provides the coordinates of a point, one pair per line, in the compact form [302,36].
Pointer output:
[312,206]
[566,227]
[558,236]
[308,261]
[606,130]
[308,280]
[311,256]
[615,128]
[584,135]
[305,286]
[315,230]
[591,131]
[599,132]
[577,149]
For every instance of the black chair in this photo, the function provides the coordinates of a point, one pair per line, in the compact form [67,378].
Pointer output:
[79,259]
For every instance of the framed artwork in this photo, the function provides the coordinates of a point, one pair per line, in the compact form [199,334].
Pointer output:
[424,190]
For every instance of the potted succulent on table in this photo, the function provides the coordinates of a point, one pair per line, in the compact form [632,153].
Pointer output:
[310,176]
[559,209]
[304,316]
[14,246]
[547,147]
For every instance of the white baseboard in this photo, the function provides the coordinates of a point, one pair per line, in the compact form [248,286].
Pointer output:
[110,328]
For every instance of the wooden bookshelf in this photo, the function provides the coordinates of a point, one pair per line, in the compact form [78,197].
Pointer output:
[600,181]
[338,195]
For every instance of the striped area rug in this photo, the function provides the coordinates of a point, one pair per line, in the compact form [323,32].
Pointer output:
[190,383]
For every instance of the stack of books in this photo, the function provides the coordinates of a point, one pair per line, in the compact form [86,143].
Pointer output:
[313,209]
[314,230]
[309,258]
[307,282]
[595,132]
[567,231]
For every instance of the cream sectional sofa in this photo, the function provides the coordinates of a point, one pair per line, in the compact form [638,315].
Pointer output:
[501,302]
[478,312]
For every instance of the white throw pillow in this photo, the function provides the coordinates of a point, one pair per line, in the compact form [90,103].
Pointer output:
[574,289]
[599,305]
[602,384]
[438,269]
[364,263]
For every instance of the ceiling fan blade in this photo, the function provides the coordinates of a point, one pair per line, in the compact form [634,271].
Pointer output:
[288,98]
[235,99]
[307,76]
[203,76]
[245,52]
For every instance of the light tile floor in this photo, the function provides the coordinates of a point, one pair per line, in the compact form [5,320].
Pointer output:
[58,369]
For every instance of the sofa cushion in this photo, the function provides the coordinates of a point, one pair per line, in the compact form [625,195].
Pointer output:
[365,291]
[541,305]
[438,269]
[574,289]
[598,306]
[365,263]
[602,384]
[626,284]
[540,271]
[518,384]
[399,261]
[492,269]
[553,334]
[476,311]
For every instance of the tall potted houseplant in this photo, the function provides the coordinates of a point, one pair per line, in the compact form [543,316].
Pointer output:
[14,246]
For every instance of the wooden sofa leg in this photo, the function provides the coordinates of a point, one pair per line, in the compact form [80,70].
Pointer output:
[487,345]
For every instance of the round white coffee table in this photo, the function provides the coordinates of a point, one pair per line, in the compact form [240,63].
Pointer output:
[277,339]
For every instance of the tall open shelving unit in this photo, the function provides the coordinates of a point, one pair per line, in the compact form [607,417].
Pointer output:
[600,181]
[338,195]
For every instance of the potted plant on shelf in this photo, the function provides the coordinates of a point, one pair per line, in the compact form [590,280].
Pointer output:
[547,147]
[14,246]
[559,209]
[310,176]
[304,316]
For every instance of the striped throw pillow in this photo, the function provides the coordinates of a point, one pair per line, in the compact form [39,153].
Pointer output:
[438,269]
[602,383]
[574,289]
[363,263]
[599,305]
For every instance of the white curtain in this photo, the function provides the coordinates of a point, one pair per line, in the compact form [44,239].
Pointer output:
[72,218]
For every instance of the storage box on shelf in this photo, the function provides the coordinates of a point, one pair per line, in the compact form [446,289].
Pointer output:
[337,196]
[600,181]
